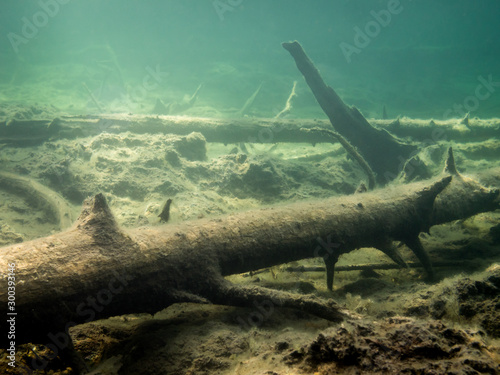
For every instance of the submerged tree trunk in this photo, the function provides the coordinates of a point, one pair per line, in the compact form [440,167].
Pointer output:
[96,270]
[384,153]
[25,133]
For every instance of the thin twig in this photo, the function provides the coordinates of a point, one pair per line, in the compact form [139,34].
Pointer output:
[288,105]
[249,101]
[99,107]
[362,267]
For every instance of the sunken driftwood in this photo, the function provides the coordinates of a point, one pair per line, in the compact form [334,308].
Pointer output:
[56,209]
[380,149]
[30,132]
[96,269]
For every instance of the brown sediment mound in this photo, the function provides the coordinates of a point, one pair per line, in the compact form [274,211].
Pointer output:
[397,345]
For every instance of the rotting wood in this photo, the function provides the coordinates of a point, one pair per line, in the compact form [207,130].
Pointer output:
[39,196]
[379,148]
[351,151]
[226,130]
[288,104]
[364,267]
[165,212]
[96,269]
[382,266]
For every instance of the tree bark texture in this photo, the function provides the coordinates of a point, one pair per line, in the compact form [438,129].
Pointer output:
[31,132]
[379,148]
[97,270]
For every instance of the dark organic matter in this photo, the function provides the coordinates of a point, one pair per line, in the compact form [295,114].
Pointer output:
[396,346]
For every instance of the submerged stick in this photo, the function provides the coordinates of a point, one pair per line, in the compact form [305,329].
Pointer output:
[288,105]
[367,267]
[249,101]
[94,99]
[364,267]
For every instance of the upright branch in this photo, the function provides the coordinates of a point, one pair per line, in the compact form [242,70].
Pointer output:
[384,153]
[288,105]
[249,102]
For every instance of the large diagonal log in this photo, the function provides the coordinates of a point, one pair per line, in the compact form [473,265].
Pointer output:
[96,270]
[382,151]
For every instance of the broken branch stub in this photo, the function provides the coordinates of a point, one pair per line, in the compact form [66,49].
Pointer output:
[384,153]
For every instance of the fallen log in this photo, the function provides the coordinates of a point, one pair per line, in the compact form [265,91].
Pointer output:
[96,270]
[25,133]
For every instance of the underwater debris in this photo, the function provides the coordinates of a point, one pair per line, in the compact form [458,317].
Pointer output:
[249,102]
[243,148]
[414,169]
[174,258]
[397,345]
[351,124]
[288,105]
[465,299]
[450,166]
[24,132]
[55,206]
[165,212]
[160,108]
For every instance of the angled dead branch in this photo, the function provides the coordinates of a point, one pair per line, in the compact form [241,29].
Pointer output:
[351,124]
